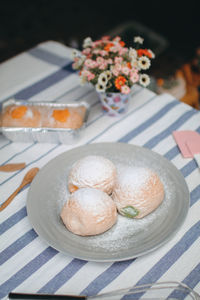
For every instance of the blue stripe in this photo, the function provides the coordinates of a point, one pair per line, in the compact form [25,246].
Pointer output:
[43,84]
[148,122]
[12,220]
[189,168]
[193,278]
[49,57]
[32,162]
[18,153]
[119,120]
[170,257]
[172,153]
[19,244]
[195,195]
[5,145]
[191,281]
[63,276]
[155,140]
[106,277]
[26,271]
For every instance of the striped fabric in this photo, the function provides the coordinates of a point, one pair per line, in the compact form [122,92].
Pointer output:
[28,264]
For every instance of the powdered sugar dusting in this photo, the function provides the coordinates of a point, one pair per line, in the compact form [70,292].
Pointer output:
[92,200]
[133,178]
[126,233]
[92,168]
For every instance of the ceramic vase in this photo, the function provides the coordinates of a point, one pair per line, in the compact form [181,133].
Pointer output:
[114,104]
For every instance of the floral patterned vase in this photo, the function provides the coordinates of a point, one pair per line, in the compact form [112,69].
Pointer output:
[114,104]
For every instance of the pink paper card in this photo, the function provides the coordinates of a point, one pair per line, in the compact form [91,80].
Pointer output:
[182,138]
[193,146]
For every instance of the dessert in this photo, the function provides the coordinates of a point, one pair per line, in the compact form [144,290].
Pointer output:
[71,117]
[89,211]
[138,191]
[21,116]
[92,171]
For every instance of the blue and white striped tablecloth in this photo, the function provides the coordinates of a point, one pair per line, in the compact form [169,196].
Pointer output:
[27,264]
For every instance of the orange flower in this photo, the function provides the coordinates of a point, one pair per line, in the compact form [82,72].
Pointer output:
[122,43]
[160,81]
[108,46]
[129,65]
[61,115]
[119,82]
[145,52]
[19,112]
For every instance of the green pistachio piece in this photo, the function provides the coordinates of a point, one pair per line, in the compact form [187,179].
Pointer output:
[129,211]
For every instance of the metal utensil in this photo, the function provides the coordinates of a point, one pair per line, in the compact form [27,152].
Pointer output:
[157,290]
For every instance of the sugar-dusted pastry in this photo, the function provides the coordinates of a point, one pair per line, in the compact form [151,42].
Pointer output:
[92,171]
[89,211]
[71,117]
[21,116]
[138,191]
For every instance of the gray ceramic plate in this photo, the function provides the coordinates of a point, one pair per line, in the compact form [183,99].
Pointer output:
[128,238]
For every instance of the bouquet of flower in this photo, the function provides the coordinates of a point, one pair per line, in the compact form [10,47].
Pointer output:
[110,66]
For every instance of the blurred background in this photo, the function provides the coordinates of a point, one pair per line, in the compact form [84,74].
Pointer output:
[170,28]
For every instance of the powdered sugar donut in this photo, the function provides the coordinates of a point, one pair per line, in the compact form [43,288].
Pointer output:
[89,211]
[138,191]
[92,171]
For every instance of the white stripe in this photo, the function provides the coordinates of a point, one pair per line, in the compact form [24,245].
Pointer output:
[33,71]
[143,264]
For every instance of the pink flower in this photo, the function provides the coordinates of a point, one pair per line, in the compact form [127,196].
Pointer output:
[109,61]
[96,43]
[100,60]
[125,89]
[118,67]
[103,52]
[96,51]
[134,77]
[125,70]
[103,66]
[115,71]
[114,49]
[86,51]
[123,50]
[90,76]
[105,38]
[89,63]
[117,39]
[118,59]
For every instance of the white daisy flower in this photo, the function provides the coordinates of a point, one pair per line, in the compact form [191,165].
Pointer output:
[134,63]
[144,62]
[108,74]
[103,79]
[87,42]
[138,39]
[75,53]
[144,80]
[132,53]
[100,88]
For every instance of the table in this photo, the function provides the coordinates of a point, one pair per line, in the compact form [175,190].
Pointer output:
[28,264]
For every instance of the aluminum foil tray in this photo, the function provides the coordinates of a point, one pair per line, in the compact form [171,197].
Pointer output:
[44,134]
